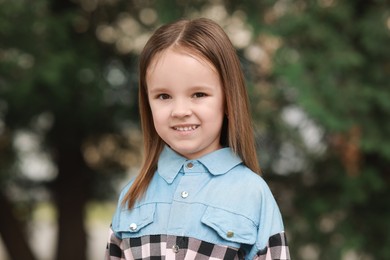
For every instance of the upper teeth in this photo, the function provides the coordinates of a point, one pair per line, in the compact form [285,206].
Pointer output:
[185,128]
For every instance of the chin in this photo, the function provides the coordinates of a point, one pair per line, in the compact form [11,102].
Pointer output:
[186,152]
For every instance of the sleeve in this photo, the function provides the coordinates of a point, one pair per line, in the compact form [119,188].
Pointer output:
[271,241]
[114,247]
[276,248]
[118,249]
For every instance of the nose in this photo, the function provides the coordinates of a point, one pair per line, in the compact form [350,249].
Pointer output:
[181,108]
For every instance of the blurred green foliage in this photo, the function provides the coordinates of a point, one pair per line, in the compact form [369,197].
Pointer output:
[318,78]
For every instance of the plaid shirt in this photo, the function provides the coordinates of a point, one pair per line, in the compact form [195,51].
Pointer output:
[176,247]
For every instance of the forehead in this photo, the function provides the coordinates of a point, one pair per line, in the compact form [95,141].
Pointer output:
[159,58]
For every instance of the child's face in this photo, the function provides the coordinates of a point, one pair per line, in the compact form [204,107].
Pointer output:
[187,102]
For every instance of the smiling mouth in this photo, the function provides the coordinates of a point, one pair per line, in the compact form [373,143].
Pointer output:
[185,128]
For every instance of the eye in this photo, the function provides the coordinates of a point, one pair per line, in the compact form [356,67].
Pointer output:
[163,96]
[199,95]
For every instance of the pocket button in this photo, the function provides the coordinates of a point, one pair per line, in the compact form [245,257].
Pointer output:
[133,227]
[230,234]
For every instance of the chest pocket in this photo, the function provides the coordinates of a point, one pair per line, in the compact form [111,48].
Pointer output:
[230,226]
[132,223]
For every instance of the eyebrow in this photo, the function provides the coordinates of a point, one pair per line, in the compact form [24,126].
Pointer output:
[158,89]
[194,88]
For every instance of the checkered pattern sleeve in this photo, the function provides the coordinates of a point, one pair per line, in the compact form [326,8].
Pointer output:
[116,248]
[276,248]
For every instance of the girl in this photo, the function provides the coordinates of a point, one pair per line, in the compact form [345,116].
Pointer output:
[198,194]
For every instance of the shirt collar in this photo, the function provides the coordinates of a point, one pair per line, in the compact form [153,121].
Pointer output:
[218,162]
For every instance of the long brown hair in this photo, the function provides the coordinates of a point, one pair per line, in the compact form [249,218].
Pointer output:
[207,40]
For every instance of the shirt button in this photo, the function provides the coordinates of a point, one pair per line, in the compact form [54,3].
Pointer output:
[133,227]
[175,249]
[184,194]
[190,165]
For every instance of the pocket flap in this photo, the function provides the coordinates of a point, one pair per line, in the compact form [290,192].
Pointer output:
[230,226]
[136,219]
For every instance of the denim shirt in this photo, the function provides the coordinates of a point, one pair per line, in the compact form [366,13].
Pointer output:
[215,198]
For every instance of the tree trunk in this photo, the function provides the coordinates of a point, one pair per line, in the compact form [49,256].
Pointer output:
[12,232]
[71,196]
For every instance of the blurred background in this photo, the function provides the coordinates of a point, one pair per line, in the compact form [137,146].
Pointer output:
[318,78]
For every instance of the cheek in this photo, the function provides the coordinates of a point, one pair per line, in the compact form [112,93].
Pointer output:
[221,108]
[153,108]
[158,115]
